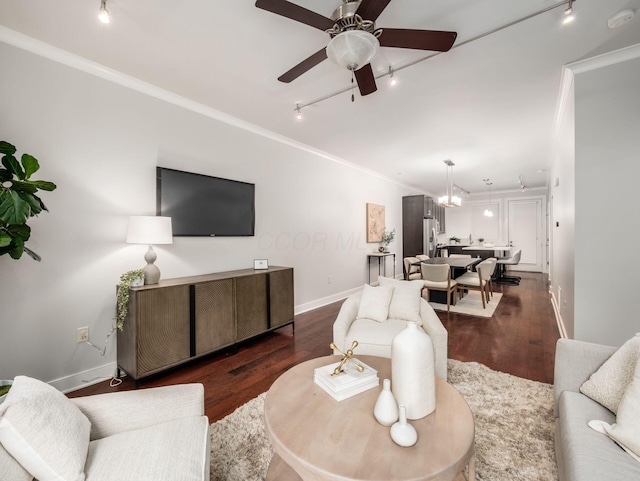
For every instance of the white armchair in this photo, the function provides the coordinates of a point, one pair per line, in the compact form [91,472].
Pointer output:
[143,435]
[374,338]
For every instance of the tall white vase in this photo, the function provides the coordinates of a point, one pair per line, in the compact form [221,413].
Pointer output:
[413,371]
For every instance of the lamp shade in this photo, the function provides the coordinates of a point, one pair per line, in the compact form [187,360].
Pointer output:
[353,49]
[147,229]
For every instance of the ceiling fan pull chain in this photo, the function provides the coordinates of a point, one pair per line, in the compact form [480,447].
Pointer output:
[353,99]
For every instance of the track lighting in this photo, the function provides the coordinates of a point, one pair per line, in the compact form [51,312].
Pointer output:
[298,112]
[568,13]
[392,80]
[103,13]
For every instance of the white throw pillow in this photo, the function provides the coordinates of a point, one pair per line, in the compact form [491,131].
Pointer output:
[608,384]
[374,303]
[405,302]
[626,430]
[44,431]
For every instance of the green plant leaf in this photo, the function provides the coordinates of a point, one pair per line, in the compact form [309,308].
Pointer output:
[32,254]
[44,185]
[13,208]
[22,230]
[7,148]
[5,239]
[18,248]
[34,202]
[30,164]
[13,166]
[24,186]
[5,175]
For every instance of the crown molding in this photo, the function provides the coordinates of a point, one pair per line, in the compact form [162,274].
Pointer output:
[605,59]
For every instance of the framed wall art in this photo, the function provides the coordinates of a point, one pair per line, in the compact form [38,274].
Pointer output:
[375,222]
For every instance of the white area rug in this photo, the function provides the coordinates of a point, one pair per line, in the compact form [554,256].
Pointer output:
[471,304]
[514,430]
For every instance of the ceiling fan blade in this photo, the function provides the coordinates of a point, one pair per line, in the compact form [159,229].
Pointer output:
[366,80]
[371,9]
[436,40]
[302,67]
[295,12]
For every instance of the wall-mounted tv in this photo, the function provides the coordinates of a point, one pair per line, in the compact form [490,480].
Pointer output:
[200,205]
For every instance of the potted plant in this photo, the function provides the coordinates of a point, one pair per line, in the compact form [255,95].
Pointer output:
[387,238]
[134,278]
[4,389]
[18,200]
[454,239]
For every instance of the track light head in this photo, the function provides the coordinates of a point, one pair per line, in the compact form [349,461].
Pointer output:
[103,13]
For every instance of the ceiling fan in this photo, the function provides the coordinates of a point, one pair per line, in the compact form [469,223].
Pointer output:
[355,38]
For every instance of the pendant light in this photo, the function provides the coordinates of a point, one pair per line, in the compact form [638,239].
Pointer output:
[449,200]
[488,212]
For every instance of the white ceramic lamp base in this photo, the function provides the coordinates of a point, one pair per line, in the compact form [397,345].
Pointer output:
[151,271]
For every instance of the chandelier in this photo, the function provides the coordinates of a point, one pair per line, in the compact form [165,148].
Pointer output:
[449,200]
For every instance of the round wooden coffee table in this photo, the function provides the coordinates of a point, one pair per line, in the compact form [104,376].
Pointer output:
[318,438]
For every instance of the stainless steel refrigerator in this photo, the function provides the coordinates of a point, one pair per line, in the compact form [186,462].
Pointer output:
[430,237]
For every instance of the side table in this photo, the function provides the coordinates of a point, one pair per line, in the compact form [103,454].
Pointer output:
[382,264]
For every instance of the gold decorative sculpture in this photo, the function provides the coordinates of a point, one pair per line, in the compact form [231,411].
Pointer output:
[346,358]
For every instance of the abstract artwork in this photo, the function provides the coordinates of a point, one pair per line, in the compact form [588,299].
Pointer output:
[375,222]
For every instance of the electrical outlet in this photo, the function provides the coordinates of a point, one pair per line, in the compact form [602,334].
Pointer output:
[82,334]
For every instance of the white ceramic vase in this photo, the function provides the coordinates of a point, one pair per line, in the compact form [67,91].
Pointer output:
[386,408]
[413,371]
[403,433]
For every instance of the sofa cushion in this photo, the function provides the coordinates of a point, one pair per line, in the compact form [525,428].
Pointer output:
[609,382]
[374,303]
[176,451]
[405,300]
[376,337]
[44,431]
[587,454]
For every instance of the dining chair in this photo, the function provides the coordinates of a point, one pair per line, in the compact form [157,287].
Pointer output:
[509,261]
[411,268]
[494,263]
[437,277]
[477,281]
[423,257]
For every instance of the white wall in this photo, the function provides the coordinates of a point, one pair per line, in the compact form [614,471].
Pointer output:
[562,201]
[607,222]
[100,142]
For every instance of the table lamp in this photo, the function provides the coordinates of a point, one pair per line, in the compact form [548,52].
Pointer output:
[150,230]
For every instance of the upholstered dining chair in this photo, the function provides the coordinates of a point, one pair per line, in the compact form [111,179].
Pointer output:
[494,263]
[437,277]
[422,257]
[509,261]
[411,268]
[477,281]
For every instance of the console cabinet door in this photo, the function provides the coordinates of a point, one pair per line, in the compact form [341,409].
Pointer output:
[252,315]
[281,297]
[215,325]
[163,333]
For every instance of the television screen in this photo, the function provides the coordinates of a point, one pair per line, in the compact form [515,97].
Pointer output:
[200,205]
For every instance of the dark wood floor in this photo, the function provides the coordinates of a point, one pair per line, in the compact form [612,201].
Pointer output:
[519,339]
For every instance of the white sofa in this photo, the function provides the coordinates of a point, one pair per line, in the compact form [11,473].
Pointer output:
[154,434]
[374,338]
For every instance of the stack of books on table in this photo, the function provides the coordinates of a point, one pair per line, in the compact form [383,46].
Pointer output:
[349,382]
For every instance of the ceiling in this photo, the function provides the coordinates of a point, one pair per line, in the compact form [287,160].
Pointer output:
[488,105]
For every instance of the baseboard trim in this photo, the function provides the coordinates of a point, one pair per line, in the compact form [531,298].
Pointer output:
[299,309]
[559,321]
[84,378]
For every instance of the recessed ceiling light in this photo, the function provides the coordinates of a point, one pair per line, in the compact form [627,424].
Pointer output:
[620,18]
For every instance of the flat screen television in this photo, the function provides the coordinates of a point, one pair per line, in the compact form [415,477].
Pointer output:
[201,205]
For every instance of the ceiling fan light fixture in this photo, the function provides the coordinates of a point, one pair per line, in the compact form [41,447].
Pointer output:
[352,49]
[103,13]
